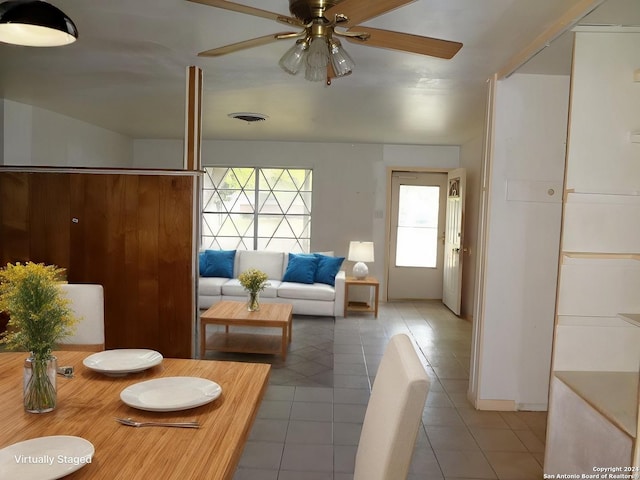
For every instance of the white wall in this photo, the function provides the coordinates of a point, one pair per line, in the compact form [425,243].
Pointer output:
[152,153]
[349,180]
[35,136]
[523,241]
[471,160]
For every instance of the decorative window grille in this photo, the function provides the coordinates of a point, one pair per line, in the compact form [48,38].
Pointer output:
[250,208]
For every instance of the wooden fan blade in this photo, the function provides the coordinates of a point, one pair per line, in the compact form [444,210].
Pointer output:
[359,11]
[234,47]
[236,7]
[407,42]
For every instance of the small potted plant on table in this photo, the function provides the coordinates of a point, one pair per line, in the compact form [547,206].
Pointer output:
[254,281]
[38,318]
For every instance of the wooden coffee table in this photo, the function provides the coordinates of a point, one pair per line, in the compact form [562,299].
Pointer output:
[272,315]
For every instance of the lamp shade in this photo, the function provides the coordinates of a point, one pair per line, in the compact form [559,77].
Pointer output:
[317,60]
[35,23]
[361,251]
[340,60]
[293,58]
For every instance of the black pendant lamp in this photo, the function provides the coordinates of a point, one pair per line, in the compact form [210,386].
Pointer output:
[35,23]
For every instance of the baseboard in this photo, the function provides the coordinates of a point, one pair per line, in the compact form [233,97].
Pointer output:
[510,406]
[496,405]
[533,407]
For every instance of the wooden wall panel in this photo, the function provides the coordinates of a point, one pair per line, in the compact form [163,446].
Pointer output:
[174,254]
[114,246]
[92,213]
[14,217]
[49,218]
[131,233]
[77,228]
[148,291]
[130,283]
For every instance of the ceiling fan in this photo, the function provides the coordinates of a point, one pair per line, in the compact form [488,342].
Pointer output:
[320,22]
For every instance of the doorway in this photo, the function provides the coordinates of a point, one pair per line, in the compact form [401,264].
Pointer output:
[416,235]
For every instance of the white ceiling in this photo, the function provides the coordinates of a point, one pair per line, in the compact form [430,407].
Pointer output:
[127,70]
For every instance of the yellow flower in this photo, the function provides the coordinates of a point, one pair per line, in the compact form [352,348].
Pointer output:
[253,280]
[39,315]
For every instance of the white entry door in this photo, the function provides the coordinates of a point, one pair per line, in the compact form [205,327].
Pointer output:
[453,240]
[418,205]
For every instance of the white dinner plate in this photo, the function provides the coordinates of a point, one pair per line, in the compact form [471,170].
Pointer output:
[170,394]
[45,458]
[122,361]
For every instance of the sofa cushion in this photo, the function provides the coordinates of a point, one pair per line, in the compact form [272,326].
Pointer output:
[211,286]
[302,291]
[217,263]
[233,288]
[268,262]
[328,268]
[301,268]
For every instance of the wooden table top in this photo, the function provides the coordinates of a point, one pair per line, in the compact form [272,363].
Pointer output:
[88,403]
[270,314]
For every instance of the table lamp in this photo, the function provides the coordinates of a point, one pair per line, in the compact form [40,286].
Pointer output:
[360,252]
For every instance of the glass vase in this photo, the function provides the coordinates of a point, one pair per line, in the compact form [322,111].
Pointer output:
[39,383]
[253,304]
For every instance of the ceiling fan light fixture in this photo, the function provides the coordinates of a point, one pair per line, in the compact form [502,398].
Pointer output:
[317,59]
[340,60]
[34,23]
[292,60]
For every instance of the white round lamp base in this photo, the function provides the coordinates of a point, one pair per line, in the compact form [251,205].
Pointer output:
[360,270]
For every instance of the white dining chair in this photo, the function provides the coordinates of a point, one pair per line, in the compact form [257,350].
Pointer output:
[87,303]
[393,414]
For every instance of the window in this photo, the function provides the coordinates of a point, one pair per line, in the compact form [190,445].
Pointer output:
[256,209]
[417,239]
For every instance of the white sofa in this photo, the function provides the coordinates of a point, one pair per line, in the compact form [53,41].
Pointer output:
[307,299]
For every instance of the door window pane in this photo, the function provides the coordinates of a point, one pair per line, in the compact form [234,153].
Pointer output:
[417,235]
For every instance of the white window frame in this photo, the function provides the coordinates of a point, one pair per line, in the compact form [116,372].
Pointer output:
[263,190]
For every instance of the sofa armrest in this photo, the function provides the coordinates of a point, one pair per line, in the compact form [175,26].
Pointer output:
[338,307]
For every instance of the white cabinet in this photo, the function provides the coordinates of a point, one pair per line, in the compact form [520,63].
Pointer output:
[589,425]
[594,399]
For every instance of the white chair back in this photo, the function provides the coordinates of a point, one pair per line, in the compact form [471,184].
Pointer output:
[87,303]
[393,414]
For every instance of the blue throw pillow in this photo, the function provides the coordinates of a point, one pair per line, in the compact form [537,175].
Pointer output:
[217,263]
[202,262]
[301,268]
[328,268]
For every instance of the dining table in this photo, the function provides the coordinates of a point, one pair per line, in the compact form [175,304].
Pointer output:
[89,402]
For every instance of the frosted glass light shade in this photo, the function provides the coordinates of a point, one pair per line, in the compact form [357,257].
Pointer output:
[292,60]
[317,60]
[340,60]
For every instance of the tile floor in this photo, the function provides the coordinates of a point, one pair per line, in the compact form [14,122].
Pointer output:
[309,422]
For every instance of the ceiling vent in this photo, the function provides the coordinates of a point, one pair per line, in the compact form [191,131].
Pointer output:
[249,117]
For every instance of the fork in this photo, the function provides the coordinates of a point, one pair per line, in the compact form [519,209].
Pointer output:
[132,423]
